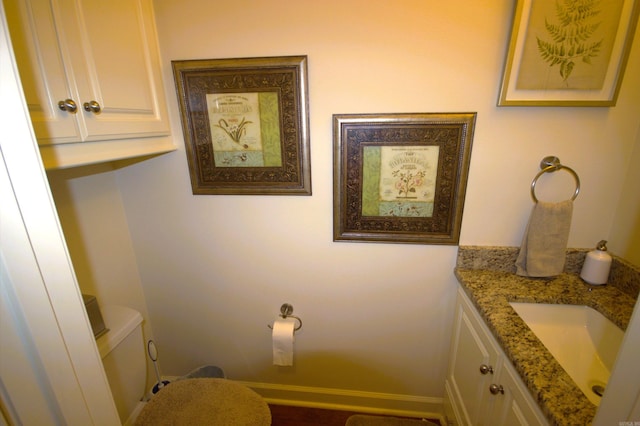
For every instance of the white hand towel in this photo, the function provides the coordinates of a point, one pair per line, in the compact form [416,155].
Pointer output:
[544,246]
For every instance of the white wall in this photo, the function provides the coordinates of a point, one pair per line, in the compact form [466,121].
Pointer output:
[377,317]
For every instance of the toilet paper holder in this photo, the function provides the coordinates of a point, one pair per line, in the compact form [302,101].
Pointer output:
[285,311]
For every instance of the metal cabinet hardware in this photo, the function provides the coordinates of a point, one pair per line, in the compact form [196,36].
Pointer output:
[92,106]
[68,105]
[496,389]
[486,369]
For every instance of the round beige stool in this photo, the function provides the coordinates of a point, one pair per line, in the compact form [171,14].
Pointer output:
[205,402]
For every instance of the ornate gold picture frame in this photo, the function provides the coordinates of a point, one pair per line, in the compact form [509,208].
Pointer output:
[246,125]
[400,178]
[568,53]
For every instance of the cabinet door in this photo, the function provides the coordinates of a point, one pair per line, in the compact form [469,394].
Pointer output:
[102,52]
[43,75]
[514,407]
[470,351]
[112,50]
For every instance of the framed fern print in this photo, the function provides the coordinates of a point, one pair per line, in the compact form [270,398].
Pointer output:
[246,125]
[568,52]
[400,178]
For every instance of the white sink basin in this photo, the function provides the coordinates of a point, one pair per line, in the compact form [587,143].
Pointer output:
[584,342]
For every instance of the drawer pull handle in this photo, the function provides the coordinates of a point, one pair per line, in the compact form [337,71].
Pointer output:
[486,369]
[496,389]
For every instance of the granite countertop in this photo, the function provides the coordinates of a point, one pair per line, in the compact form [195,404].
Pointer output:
[491,287]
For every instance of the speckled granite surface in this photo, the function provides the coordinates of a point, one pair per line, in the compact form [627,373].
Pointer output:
[623,274]
[487,276]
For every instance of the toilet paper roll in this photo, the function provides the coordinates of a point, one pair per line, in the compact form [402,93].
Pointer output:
[283,338]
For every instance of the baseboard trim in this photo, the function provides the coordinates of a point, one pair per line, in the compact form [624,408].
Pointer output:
[349,400]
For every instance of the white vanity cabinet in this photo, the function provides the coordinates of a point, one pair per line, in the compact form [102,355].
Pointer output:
[482,387]
[91,75]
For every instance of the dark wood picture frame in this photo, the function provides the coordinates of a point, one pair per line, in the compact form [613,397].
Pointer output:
[246,124]
[400,178]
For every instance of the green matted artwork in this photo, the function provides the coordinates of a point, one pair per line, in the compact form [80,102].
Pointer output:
[245,124]
[567,52]
[400,178]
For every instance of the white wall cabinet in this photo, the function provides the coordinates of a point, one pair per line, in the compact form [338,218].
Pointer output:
[91,75]
[482,387]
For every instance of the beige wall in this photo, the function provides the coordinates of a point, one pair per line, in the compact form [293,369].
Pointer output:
[625,232]
[95,227]
[377,317]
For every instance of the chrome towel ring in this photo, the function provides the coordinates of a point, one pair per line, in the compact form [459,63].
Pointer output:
[551,164]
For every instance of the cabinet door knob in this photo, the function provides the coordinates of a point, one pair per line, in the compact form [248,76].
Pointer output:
[496,389]
[486,369]
[68,105]
[92,106]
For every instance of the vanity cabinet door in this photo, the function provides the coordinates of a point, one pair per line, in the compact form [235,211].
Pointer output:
[514,407]
[472,367]
[482,387]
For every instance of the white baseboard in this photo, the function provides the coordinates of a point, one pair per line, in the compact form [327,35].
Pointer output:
[350,400]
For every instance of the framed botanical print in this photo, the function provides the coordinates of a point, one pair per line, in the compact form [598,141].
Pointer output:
[567,52]
[400,178]
[245,123]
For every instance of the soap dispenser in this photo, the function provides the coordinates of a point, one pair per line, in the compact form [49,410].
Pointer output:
[597,264]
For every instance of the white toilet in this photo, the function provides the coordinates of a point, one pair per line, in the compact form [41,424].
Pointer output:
[192,401]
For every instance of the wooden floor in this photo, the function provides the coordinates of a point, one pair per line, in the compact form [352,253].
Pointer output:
[300,416]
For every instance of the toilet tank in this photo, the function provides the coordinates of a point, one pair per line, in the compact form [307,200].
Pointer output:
[123,355]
